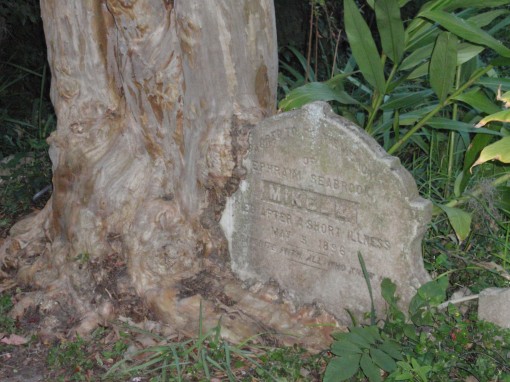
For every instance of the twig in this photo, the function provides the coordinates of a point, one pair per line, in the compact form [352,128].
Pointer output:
[444,305]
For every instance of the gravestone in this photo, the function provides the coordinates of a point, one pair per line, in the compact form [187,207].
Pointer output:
[318,191]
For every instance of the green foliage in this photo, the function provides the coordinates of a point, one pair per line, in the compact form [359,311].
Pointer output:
[430,345]
[209,355]
[426,87]
[363,350]
[7,324]
[73,357]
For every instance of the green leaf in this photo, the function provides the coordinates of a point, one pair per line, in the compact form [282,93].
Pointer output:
[314,91]
[499,150]
[442,64]
[392,349]
[433,292]
[342,368]
[344,348]
[369,333]
[411,117]
[405,100]
[452,5]
[363,46]
[358,340]
[460,221]
[391,28]
[484,19]
[460,127]
[467,51]
[383,360]
[405,376]
[370,369]
[388,289]
[502,116]
[478,100]
[465,30]
[495,83]
[417,57]
[420,71]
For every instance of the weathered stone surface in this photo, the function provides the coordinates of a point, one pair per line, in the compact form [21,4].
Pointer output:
[318,190]
[494,306]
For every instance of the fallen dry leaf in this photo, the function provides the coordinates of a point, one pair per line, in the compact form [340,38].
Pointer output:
[14,339]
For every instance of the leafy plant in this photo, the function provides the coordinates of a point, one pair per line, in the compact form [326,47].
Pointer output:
[73,357]
[365,350]
[7,324]
[422,87]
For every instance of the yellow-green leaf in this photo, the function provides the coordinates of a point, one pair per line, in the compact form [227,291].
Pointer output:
[460,221]
[499,150]
[500,116]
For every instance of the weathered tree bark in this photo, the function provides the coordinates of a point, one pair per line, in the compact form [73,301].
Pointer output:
[154,100]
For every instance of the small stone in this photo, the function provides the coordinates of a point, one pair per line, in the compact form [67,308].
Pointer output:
[494,306]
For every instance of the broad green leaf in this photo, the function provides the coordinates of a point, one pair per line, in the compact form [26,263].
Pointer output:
[500,61]
[370,369]
[484,19]
[467,51]
[460,221]
[424,35]
[358,340]
[478,100]
[404,376]
[460,127]
[338,79]
[420,71]
[432,292]
[314,91]
[417,57]
[465,30]
[452,5]
[388,289]
[442,65]
[383,360]
[405,100]
[342,368]
[363,46]
[502,116]
[342,348]
[392,349]
[411,117]
[391,28]
[369,333]
[499,150]
[495,83]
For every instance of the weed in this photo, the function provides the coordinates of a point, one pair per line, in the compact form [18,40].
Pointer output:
[7,324]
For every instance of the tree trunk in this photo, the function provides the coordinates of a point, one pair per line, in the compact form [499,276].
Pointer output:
[154,100]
